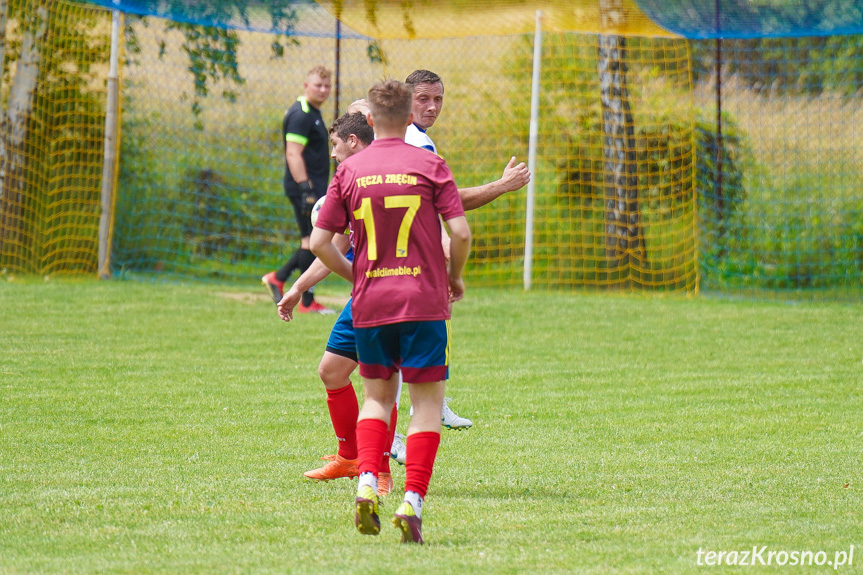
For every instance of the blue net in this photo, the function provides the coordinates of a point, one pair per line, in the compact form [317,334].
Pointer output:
[697,20]
[287,17]
[755,19]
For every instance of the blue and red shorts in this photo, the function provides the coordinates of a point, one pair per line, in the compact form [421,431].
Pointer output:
[420,349]
[342,340]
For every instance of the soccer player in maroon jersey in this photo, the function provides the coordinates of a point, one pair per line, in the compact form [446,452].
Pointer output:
[393,197]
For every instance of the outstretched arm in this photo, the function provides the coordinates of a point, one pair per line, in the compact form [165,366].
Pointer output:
[310,278]
[514,177]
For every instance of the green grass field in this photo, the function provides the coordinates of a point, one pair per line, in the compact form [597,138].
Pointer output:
[164,428]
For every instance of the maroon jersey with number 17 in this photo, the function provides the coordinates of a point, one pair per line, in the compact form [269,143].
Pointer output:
[392,193]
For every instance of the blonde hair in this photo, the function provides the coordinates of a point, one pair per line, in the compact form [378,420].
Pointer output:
[391,103]
[320,71]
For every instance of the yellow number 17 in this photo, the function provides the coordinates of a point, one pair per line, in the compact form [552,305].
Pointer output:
[364,213]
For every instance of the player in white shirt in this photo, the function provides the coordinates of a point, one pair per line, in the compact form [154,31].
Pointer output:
[417,137]
[335,370]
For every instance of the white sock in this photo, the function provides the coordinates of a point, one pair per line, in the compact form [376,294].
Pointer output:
[416,502]
[368,478]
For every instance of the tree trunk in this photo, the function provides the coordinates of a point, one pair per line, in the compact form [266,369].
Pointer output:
[4,10]
[13,129]
[624,239]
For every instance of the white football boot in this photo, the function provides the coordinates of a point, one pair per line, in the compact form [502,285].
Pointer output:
[450,419]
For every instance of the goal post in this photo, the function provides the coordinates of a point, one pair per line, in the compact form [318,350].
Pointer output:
[109,168]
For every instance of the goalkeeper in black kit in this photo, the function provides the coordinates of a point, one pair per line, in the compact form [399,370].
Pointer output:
[307,173]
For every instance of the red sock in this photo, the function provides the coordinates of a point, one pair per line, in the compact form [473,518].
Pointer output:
[371,437]
[344,411]
[385,461]
[422,450]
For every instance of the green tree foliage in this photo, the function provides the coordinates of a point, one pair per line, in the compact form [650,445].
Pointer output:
[668,140]
[212,50]
[810,65]
[801,47]
[720,189]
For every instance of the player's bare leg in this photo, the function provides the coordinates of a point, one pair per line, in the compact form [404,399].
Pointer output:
[335,371]
[427,401]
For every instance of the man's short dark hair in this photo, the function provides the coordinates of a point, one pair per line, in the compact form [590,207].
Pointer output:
[355,124]
[418,77]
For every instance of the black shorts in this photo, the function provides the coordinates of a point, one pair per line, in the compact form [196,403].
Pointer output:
[302,213]
[302,210]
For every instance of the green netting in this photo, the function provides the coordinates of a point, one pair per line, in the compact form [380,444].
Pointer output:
[787,212]
[767,198]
